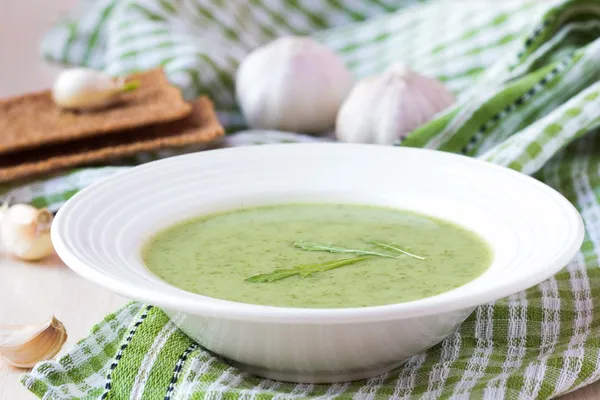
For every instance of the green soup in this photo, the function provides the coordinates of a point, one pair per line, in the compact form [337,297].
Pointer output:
[217,255]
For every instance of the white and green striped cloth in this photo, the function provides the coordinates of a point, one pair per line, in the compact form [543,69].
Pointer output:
[526,75]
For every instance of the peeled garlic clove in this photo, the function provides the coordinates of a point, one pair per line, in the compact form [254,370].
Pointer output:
[88,89]
[25,232]
[384,108]
[292,84]
[24,346]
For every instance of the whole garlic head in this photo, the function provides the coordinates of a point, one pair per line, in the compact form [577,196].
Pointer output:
[25,232]
[292,84]
[386,107]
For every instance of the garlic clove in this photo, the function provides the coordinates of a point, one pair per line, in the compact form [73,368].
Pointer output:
[88,89]
[386,107]
[25,232]
[24,346]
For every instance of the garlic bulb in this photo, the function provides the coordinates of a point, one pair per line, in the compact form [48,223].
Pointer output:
[384,108]
[88,89]
[292,84]
[25,232]
[24,346]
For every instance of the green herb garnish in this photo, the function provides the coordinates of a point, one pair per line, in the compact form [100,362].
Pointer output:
[395,248]
[303,270]
[312,246]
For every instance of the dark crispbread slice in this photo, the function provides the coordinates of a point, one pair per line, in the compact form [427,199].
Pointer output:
[200,126]
[32,120]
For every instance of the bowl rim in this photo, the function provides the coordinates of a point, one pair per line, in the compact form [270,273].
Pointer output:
[225,309]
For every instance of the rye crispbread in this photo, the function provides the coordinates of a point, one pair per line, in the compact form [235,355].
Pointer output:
[33,120]
[200,126]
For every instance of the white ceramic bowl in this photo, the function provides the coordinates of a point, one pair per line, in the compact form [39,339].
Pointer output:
[532,229]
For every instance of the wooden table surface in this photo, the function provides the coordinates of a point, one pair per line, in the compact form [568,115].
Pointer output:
[33,292]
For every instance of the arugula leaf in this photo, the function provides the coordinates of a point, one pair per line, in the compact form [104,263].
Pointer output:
[395,248]
[303,270]
[312,246]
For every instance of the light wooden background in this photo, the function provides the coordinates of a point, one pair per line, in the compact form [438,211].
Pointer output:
[30,293]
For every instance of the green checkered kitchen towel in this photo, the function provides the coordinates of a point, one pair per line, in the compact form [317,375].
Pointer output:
[526,74]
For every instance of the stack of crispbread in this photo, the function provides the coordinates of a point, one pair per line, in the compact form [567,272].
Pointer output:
[37,137]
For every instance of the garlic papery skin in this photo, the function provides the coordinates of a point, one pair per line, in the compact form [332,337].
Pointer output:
[24,346]
[3,209]
[386,107]
[292,84]
[25,232]
[88,89]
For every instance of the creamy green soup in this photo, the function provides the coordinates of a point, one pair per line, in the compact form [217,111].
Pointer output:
[317,255]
